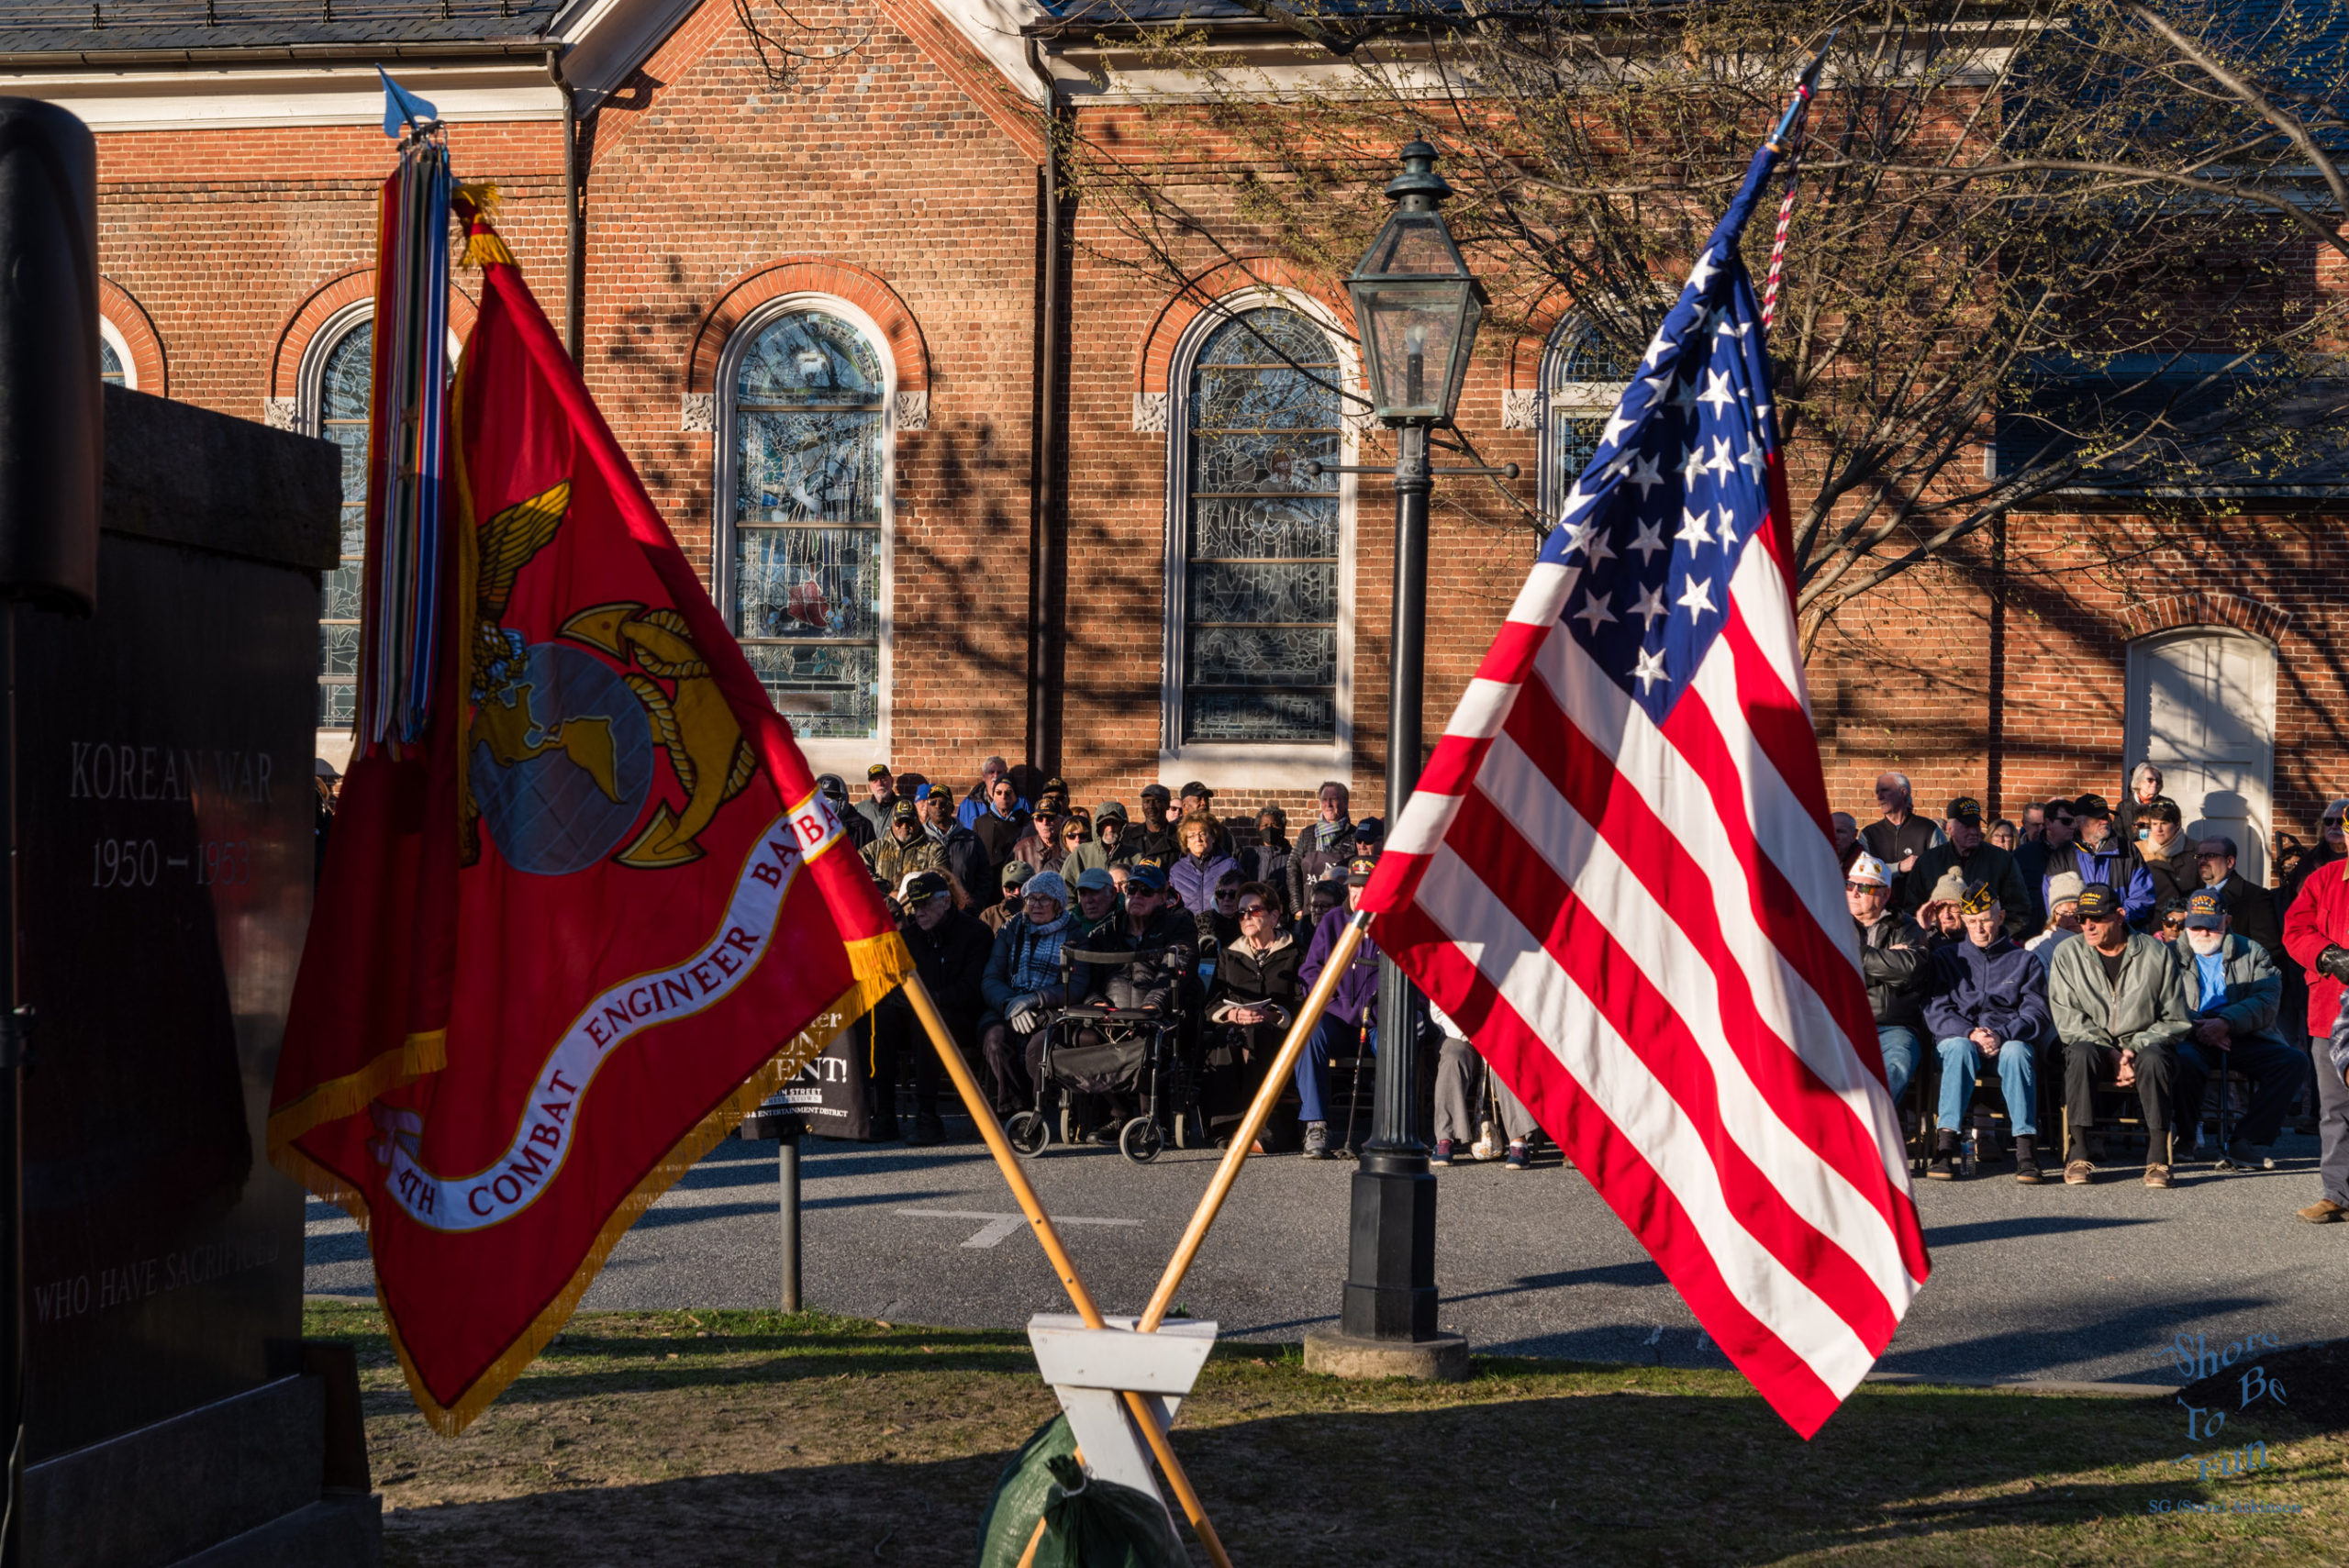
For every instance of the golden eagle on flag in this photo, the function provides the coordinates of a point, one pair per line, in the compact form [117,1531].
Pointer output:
[584,918]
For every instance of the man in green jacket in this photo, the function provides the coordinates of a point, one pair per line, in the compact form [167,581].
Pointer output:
[1974,860]
[2120,1004]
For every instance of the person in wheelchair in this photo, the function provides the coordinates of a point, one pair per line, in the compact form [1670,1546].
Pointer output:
[1163,941]
[1249,1007]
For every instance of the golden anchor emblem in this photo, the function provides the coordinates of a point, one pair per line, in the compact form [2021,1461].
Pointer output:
[690,718]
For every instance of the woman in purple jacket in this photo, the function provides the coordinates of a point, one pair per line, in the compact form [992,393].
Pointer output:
[1351,1016]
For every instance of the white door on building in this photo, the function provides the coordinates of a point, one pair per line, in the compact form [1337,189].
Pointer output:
[2202,709]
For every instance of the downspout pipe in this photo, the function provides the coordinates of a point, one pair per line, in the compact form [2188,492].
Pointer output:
[1048,639]
[574,226]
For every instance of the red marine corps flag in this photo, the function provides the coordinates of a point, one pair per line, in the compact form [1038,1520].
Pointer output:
[580,921]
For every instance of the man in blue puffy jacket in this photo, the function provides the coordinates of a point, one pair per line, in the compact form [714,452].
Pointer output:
[1988,999]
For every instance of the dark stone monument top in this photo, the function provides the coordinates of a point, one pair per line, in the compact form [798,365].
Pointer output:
[166,823]
[182,474]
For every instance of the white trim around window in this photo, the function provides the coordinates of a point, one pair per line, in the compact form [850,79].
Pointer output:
[847,756]
[114,339]
[1587,402]
[1251,765]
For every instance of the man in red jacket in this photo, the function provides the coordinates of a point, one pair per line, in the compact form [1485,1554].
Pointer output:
[2315,933]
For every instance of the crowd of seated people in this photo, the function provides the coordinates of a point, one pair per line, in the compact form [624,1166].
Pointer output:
[2087,975]
[2099,968]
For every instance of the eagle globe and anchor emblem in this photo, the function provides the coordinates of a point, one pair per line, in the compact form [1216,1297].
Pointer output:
[561,745]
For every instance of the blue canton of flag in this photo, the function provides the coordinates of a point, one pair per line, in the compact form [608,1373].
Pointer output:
[1679,486]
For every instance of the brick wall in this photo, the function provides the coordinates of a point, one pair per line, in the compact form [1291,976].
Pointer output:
[904,178]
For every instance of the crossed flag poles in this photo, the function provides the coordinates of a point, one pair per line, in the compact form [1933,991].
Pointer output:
[1097,1366]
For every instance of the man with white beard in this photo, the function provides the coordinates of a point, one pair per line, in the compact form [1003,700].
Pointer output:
[2233,990]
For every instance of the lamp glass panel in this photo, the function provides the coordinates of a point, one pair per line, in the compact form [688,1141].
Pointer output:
[1412,329]
[1413,243]
[1463,343]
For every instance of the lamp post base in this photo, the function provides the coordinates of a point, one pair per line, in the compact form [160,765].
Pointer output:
[1443,1359]
[1390,1291]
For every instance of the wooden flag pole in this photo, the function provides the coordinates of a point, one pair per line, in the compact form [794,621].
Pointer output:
[1260,1111]
[1145,1414]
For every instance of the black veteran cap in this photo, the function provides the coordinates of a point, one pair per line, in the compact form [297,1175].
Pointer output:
[1964,808]
[1978,899]
[2099,902]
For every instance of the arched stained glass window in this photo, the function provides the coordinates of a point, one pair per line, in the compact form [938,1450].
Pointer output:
[344,387]
[1260,579]
[110,364]
[1581,383]
[808,514]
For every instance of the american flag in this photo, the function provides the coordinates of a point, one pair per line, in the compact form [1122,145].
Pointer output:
[1616,875]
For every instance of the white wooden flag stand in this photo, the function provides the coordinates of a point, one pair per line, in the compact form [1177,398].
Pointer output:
[1091,1369]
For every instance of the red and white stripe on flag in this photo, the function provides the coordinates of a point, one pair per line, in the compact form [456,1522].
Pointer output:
[1640,924]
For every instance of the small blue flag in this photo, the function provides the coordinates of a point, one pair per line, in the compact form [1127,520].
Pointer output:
[403,107]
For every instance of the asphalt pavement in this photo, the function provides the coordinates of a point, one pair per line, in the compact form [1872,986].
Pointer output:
[2089,1283]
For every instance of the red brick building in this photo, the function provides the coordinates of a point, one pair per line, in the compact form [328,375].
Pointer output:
[959,501]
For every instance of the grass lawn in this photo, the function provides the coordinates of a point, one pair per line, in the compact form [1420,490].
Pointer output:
[713,1439]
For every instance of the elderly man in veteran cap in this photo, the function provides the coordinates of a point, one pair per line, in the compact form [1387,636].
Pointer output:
[904,848]
[2235,994]
[2119,1006]
[1987,1000]
[1965,851]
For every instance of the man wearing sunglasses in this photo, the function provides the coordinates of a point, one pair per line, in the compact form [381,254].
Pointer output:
[1893,955]
[2119,1007]
[959,853]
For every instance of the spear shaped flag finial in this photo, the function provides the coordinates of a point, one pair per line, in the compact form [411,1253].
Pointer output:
[402,107]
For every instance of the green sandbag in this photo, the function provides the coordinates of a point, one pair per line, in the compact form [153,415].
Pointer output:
[1019,1492]
[1091,1524]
